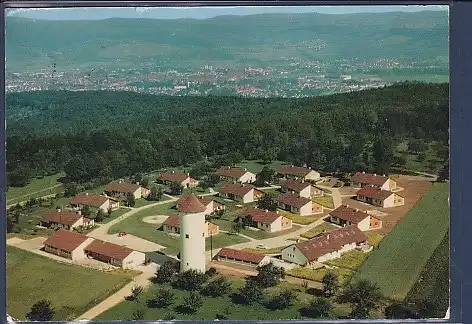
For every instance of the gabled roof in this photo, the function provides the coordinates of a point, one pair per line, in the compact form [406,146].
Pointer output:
[109,250]
[369,178]
[294,170]
[124,187]
[241,255]
[173,176]
[63,217]
[330,242]
[347,213]
[190,204]
[294,200]
[262,216]
[89,200]
[232,172]
[374,193]
[173,221]
[236,189]
[65,240]
[295,185]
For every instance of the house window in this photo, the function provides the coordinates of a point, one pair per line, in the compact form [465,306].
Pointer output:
[186,235]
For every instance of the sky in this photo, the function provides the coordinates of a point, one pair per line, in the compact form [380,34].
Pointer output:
[200,12]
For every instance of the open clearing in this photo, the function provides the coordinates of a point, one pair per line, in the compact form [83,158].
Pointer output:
[70,288]
[36,188]
[397,263]
[159,219]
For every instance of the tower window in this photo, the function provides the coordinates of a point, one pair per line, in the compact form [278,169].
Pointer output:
[186,235]
[203,234]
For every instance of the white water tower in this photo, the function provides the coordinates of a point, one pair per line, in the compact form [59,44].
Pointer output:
[192,233]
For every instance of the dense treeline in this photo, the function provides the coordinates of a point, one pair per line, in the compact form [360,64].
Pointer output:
[91,135]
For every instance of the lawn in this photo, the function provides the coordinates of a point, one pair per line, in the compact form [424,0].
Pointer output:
[412,161]
[351,260]
[374,238]
[256,166]
[115,214]
[266,251]
[36,188]
[213,306]
[144,202]
[325,201]
[71,289]
[318,274]
[302,220]
[397,263]
[433,283]
[318,230]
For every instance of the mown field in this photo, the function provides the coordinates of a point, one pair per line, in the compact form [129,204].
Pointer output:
[397,263]
[433,283]
[38,187]
[71,289]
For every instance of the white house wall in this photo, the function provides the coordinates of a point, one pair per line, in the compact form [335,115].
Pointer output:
[313,175]
[133,260]
[364,225]
[292,254]
[306,210]
[389,202]
[306,192]
[248,177]
[249,197]
[79,253]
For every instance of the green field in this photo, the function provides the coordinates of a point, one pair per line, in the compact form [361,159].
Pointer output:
[256,166]
[151,232]
[397,263]
[433,283]
[71,289]
[350,260]
[36,188]
[213,306]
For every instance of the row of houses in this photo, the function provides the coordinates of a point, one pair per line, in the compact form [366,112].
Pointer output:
[330,245]
[78,247]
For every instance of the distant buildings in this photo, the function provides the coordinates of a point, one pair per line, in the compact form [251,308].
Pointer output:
[380,198]
[121,189]
[242,257]
[298,173]
[240,193]
[94,202]
[183,179]
[67,220]
[347,216]
[265,220]
[235,174]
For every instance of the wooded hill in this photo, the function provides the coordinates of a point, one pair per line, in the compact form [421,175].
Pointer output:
[105,134]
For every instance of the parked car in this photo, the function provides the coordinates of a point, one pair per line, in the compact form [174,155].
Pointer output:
[122,234]
[261,247]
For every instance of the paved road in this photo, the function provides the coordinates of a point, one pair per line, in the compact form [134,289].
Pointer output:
[337,201]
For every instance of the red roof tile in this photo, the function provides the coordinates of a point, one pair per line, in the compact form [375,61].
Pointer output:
[64,217]
[89,200]
[173,221]
[262,216]
[108,250]
[236,189]
[123,187]
[294,200]
[173,176]
[330,242]
[294,170]
[232,172]
[347,213]
[374,193]
[295,185]
[369,178]
[241,255]
[66,240]
[190,204]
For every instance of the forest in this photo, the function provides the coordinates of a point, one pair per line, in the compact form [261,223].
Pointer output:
[94,135]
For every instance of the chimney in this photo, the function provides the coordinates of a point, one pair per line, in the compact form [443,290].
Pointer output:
[375,174]
[357,210]
[383,175]
[228,167]
[245,169]
[327,237]
[173,171]
[363,172]
[137,183]
[347,206]
[79,212]
[309,168]
[86,193]
[120,181]
[266,211]
[188,174]
[58,210]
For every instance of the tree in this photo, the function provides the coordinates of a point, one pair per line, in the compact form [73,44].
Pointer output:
[218,287]
[135,292]
[443,173]
[190,280]
[156,193]
[193,302]
[203,185]
[212,180]
[425,309]
[363,297]
[20,176]
[100,216]
[109,211]
[266,176]
[237,227]
[163,298]
[138,315]
[41,311]
[10,224]
[283,300]
[399,310]
[145,182]
[138,178]
[166,272]
[269,275]
[330,284]
[250,293]
[85,211]
[168,317]
[383,153]
[176,188]
[268,201]
[130,200]
[319,308]
[70,190]
[416,146]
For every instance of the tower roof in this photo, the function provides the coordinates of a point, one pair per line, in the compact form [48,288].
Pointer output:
[190,204]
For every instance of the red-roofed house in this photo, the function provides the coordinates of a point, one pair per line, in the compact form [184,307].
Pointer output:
[346,216]
[66,220]
[234,174]
[172,225]
[184,179]
[380,198]
[119,256]
[120,189]
[95,202]
[242,257]
[240,192]
[302,188]
[266,220]
[298,173]
[67,244]
[299,205]
[362,179]
[323,248]
[211,205]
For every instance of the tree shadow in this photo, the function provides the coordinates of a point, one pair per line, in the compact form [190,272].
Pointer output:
[315,292]
[182,309]
[237,299]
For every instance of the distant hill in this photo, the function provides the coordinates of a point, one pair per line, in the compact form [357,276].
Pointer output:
[34,44]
